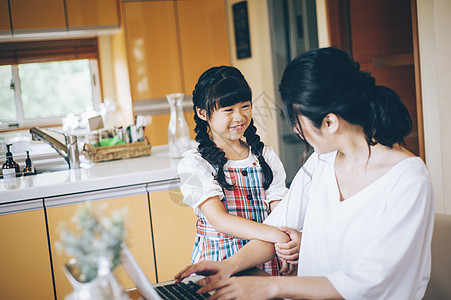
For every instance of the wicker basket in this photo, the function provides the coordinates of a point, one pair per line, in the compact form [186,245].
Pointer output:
[107,153]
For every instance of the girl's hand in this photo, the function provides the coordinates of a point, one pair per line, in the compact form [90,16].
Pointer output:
[287,268]
[213,271]
[289,251]
[252,287]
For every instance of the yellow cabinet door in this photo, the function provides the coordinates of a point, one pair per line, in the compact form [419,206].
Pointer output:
[203,38]
[174,230]
[5,26]
[152,49]
[24,256]
[42,15]
[89,13]
[139,238]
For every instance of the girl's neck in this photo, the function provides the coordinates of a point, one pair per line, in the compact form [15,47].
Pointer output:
[235,151]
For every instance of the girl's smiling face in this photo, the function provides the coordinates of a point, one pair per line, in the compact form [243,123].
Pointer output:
[229,123]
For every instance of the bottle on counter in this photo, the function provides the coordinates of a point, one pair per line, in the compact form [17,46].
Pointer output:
[10,171]
[29,168]
[178,132]
[10,164]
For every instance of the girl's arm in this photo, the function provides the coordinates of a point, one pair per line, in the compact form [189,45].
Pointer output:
[273,205]
[239,227]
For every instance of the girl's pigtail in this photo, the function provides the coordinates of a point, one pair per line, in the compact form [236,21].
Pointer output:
[210,152]
[257,146]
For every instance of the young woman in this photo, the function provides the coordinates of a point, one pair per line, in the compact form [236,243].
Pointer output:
[363,202]
[231,182]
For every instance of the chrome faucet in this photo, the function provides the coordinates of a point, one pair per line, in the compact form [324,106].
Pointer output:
[69,150]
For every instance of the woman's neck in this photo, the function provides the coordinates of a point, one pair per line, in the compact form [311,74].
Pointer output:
[363,156]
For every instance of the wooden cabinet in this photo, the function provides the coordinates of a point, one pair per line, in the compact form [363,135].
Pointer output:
[5,26]
[203,38]
[88,13]
[42,15]
[174,229]
[152,49]
[57,16]
[139,237]
[24,255]
[170,43]
[160,235]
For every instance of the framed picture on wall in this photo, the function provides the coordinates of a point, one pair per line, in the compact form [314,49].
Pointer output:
[241,28]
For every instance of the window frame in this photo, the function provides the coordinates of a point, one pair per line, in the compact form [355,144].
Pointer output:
[22,123]
[49,50]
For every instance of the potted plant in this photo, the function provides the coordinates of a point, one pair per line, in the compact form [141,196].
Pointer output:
[95,250]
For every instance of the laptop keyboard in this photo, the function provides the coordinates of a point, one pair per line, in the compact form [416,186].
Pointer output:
[180,291]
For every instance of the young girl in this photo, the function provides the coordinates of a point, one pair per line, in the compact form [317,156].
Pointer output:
[232,185]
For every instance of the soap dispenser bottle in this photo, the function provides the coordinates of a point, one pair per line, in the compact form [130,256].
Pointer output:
[29,169]
[10,168]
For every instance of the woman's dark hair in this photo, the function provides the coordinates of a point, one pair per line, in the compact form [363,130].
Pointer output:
[327,80]
[221,87]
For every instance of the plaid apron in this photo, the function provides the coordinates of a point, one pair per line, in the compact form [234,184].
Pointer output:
[245,200]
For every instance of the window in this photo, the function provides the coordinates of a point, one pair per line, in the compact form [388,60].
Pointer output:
[48,81]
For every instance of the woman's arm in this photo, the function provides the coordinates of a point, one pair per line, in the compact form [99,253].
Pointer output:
[252,254]
[239,227]
[272,287]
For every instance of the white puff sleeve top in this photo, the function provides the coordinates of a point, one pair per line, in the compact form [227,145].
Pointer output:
[198,184]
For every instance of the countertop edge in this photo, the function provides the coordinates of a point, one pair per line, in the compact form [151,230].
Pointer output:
[153,173]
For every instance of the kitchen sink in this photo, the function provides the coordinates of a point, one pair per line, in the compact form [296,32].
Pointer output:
[55,165]
[51,168]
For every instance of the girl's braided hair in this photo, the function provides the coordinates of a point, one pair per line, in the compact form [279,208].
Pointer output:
[221,87]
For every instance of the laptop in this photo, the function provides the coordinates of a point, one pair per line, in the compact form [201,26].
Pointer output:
[165,290]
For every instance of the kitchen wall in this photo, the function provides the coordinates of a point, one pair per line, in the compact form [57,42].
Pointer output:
[321,17]
[258,69]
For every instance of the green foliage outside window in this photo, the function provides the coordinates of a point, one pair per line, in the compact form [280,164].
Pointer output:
[51,89]
[7,104]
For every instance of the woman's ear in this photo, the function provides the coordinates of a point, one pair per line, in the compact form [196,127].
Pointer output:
[331,122]
[201,113]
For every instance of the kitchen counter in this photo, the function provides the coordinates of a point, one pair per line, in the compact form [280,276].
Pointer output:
[156,168]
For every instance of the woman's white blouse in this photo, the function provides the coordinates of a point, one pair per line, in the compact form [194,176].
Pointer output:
[197,181]
[373,245]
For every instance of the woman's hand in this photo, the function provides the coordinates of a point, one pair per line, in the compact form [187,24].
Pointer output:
[252,287]
[213,270]
[289,251]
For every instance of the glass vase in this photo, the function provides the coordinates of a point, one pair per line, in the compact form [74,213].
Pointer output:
[178,133]
[104,287]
